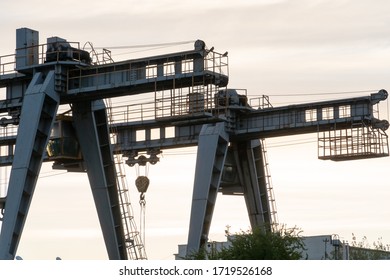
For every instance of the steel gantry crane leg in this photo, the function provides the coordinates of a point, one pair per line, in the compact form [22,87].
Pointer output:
[38,114]
[212,149]
[90,121]
[252,176]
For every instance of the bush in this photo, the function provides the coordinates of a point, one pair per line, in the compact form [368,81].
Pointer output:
[257,244]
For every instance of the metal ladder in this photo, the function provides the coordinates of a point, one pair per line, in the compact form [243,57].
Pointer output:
[134,245]
[270,189]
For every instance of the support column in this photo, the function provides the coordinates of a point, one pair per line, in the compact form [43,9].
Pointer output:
[250,169]
[90,121]
[38,113]
[212,150]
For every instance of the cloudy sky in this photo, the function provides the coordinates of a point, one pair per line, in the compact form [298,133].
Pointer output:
[292,50]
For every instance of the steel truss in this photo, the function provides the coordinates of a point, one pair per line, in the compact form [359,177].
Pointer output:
[189,105]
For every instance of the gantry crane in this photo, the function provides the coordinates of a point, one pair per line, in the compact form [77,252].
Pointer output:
[41,77]
[191,106]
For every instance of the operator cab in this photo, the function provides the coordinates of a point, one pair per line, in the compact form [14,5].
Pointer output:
[63,144]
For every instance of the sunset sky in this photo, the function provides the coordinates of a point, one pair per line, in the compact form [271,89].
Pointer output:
[295,51]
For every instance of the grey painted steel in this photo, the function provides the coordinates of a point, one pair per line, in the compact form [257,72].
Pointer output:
[112,88]
[79,82]
[90,121]
[293,119]
[247,163]
[212,150]
[228,119]
[245,174]
[27,47]
[252,123]
[132,76]
[250,166]
[36,120]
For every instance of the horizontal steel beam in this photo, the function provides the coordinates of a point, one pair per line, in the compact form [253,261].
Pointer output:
[119,84]
[250,124]
[309,117]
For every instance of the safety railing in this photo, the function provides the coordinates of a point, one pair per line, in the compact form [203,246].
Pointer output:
[357,142]
[7,64]
[261,102]
[193,101]
[98,57]
[217,63]
[132,112]
[39,54]
[7,143]
[147,70]
[187,101]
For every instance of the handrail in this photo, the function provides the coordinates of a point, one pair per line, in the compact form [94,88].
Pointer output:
[149,69]
[36,54]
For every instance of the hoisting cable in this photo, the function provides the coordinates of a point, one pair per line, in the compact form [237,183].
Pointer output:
[142,184]
[149,45]
[142,203]
[143,48]
[388,112]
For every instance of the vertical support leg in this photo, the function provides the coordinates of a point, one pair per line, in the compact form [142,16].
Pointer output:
[38,113]
[212,149]
[90,121]
[250,167]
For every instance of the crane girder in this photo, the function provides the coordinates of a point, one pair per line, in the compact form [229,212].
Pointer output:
[60,72]
[310,117]
[221,122]
[250,123]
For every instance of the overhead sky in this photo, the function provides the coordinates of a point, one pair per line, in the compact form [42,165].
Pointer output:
[292,50]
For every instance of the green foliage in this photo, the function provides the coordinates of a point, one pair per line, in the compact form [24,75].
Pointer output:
[362,250]
[284,244]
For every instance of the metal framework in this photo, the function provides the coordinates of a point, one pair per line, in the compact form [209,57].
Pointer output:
[189,106]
